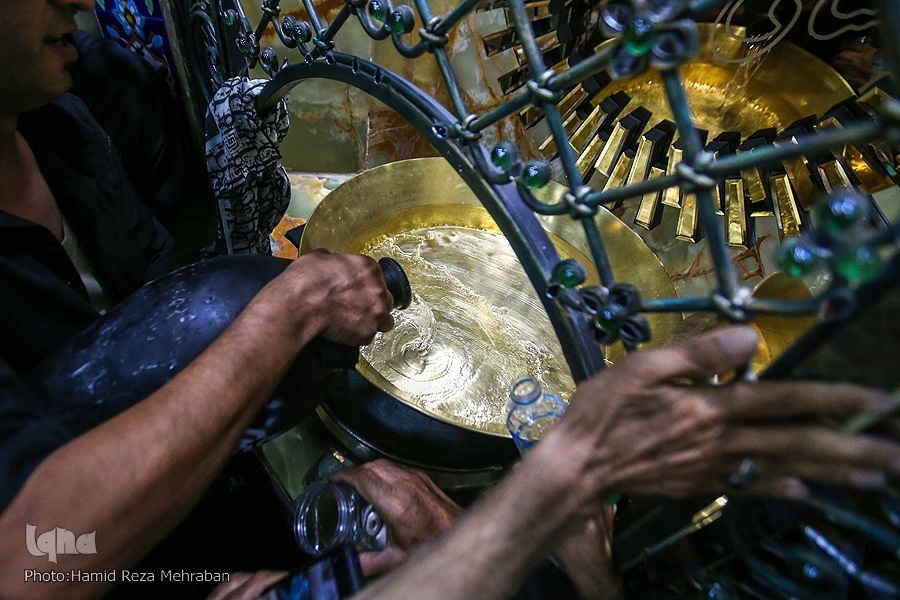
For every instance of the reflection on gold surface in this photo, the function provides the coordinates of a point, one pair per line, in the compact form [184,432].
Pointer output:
[798,174]
[688,226]
[672,195]
[722,96]
[786,210]
[776,332]
[834,176]
[475,323]
[870,178]
[649,213]
[781,87]
[620,173]
[735,213]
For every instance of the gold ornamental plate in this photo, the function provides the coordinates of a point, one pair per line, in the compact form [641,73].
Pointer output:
[475,323]
[772,90]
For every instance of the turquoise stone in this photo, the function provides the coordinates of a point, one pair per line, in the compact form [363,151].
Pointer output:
[839,213]
[638,37]
[859,265]
[377,10]
[536,174]
[797,257]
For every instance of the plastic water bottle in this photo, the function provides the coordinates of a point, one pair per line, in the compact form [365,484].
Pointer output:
[532,412]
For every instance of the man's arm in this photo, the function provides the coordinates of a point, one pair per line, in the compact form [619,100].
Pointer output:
[133,478]
[640,427]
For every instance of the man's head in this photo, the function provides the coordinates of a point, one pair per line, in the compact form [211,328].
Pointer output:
[36,51]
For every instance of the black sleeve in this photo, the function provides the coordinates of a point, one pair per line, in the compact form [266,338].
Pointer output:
[26,437]
[133,103]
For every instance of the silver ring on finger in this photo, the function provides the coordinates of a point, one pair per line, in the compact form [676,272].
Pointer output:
[745,474]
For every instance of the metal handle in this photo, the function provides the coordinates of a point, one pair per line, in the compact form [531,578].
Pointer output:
[396,281]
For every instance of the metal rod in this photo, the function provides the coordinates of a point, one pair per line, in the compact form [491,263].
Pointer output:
[692,148]
[455,16]
[797,308]
[506,109]
[653,305]
[809,144]
[581,71]
[634,190]
[424,10]
[542,208]
[889,20]
[449,75]
[566,154]
[598,251]
[313,16]
[263,24]
[337,23]
[522,25]
[700,8]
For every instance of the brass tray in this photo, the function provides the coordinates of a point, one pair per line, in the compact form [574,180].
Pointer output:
[475,322]
[781,86]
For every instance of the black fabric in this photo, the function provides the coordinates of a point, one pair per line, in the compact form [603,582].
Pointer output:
[44,301]
[239,524]
[133,103]
[26,438]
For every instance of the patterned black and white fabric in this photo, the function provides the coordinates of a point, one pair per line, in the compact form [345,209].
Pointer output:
[250,185]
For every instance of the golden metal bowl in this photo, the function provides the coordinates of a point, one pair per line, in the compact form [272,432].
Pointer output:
[781,86]
[475,322]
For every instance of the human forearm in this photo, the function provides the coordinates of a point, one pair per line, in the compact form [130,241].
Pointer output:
[488,553]
[585,554]
[134,477]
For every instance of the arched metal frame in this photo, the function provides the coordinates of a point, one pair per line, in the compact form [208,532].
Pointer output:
[657,32]
[518,223]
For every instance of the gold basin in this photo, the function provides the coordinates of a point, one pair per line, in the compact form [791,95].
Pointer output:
[783,85]
[475,322]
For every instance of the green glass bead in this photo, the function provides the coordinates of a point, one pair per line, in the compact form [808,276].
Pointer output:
[606,321]
[377,10]
[839,213]
[536,174]
[797,257]
[504,156]
[398,21]
[569,273]
[228,17]
[267,59]
[638,37]
[242,45]
[859,265]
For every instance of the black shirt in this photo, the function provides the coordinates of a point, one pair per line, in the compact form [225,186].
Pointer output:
[43,300]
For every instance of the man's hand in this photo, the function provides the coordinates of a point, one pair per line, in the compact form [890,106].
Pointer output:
[341,297]
[246,586]
[652,425]
[413,507]
[585,553]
